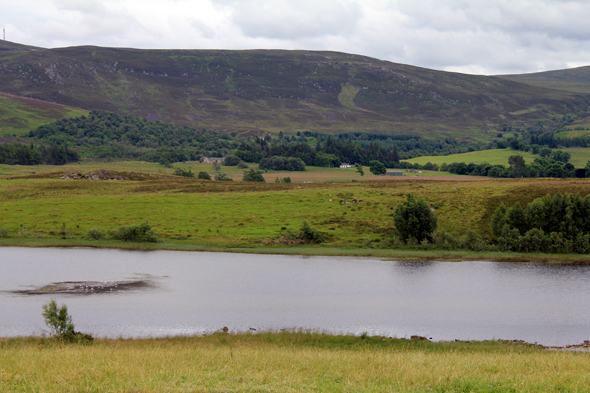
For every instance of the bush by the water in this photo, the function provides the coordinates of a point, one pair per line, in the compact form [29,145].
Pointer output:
[414,219]
[60,322]
[135,233]
[96,233]
[310,234]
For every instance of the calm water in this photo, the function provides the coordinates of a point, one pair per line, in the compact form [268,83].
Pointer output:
[202,292]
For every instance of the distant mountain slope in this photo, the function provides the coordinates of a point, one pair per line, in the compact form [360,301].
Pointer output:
[263,91]
[19,115]
[576,80]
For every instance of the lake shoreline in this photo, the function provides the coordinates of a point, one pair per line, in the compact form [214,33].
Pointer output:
[278,333]
[311,250]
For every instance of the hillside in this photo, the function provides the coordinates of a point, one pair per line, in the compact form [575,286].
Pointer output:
[575,80]
[260,91]
[19,115]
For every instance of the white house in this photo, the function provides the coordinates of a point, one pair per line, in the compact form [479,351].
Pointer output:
[209,160]
[344,165]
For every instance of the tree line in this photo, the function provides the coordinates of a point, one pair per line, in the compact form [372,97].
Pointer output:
[21,154]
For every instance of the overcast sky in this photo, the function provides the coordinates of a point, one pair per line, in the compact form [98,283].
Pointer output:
[476,37]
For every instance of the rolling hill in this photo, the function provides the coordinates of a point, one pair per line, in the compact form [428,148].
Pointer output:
[262,91]
[575,80]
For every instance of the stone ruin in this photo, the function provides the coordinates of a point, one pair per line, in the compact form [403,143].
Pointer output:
[100,174]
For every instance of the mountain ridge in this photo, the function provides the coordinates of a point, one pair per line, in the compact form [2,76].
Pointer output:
[267,91]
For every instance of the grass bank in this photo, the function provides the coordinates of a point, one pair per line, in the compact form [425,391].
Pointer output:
[191,214]
[319,250]
[286,362]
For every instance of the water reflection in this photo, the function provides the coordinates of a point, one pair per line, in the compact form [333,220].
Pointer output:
[202,292]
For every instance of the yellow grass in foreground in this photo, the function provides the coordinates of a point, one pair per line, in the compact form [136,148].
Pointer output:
[252,365]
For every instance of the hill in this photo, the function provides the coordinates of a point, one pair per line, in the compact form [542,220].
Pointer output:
[575,80]
[19,115]
[261,91]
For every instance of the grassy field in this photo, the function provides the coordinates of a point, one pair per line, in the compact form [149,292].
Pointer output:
[287,362]
[493,157]
[311,174]
[198,214]
[580,157]
[19,115]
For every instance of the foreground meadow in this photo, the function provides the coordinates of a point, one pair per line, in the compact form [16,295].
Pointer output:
[287,362]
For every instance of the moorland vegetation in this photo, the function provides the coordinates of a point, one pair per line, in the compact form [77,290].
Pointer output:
[267,91]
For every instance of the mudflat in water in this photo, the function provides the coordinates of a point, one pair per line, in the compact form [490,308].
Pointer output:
[195,293]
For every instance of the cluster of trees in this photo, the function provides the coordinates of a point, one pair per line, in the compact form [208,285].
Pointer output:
[279,163]
[104,134]
[21,154]
[556,166]
[550,224]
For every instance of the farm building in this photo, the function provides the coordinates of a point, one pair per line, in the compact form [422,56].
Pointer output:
[209,160]
[395,173]
[344,165]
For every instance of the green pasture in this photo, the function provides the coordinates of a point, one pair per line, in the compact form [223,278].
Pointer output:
[19,117]
[580,157]
[249,214]
[493,157]
[311,174]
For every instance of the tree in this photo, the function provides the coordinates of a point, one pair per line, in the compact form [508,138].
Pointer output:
[58,319]
[231,160]
[561,156]
[498,220]
[216,166]
[517,165]
[377,167]
[517,219]
[393,156]
[359,169]
[253,175]
[414,219]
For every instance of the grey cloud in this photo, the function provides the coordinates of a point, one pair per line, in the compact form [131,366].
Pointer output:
[295,19]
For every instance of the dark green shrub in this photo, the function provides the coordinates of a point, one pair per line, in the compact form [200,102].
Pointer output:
[243,165]
[96,233]
[203,175]
[413,218]
[135,233]
[183,172]
[253,175]
[223,177]
[308,233]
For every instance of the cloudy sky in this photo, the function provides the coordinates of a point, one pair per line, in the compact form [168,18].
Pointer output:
[471,36]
